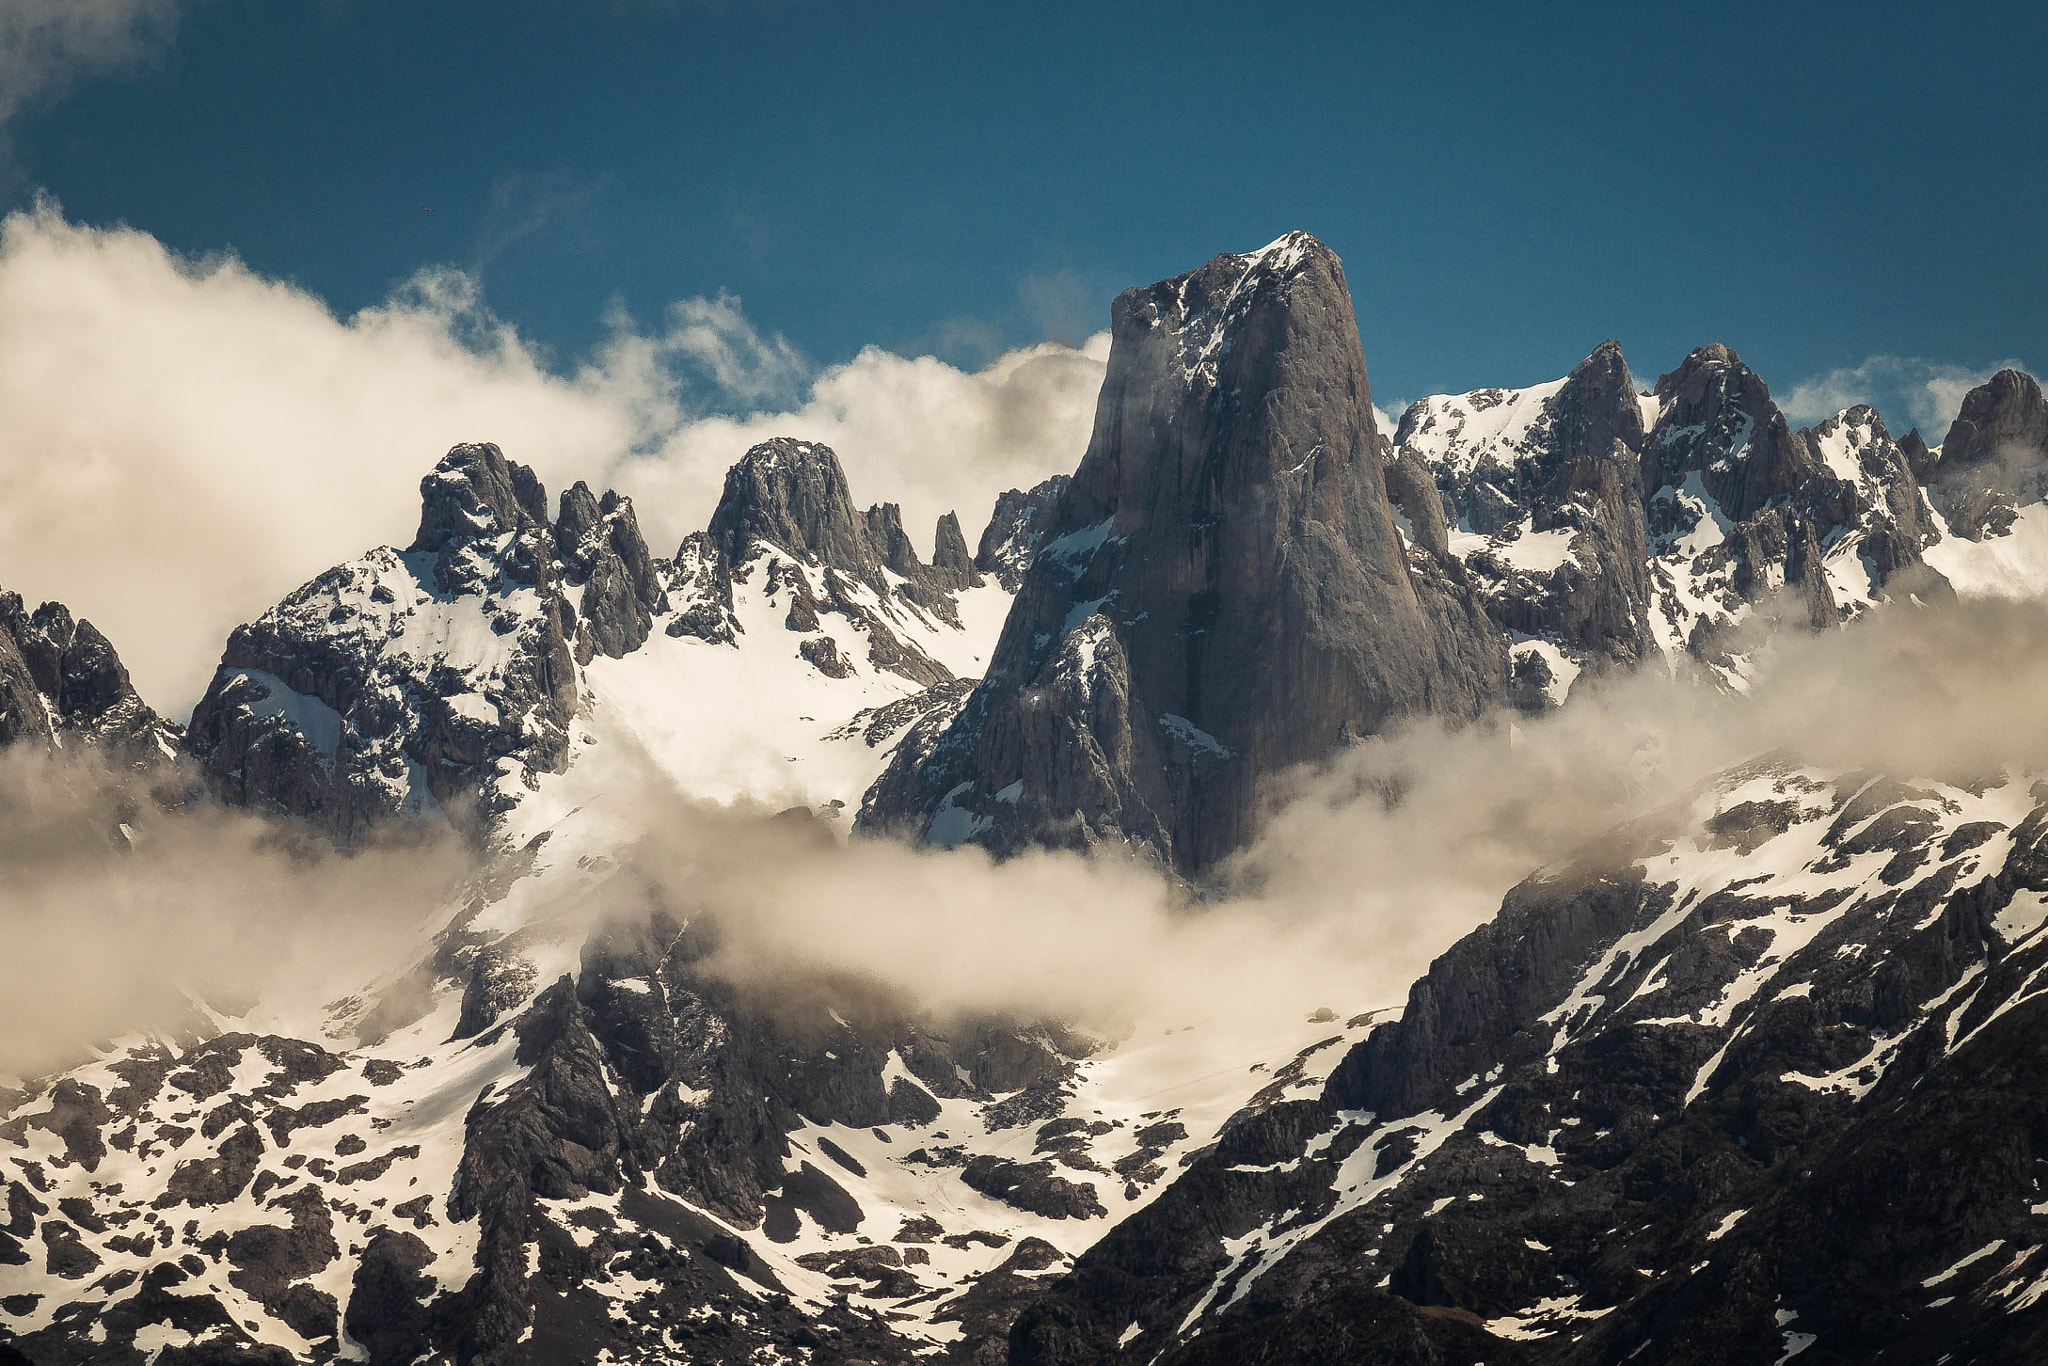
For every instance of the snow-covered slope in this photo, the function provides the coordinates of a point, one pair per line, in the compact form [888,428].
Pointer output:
[1758,1072]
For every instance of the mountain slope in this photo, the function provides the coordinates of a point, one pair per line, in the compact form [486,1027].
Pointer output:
[1751,1073]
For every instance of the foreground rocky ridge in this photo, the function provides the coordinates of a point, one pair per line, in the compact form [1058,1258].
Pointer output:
[1754,1076]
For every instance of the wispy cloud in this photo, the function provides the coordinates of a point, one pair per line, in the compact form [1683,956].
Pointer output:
[525,205]
[1926,393]
[47,44]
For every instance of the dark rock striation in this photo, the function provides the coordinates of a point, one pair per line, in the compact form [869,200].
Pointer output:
[1231,507]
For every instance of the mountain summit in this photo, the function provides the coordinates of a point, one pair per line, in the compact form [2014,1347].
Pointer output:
[1222,592]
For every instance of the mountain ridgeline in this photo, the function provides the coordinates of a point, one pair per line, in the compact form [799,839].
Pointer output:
[1753,1077]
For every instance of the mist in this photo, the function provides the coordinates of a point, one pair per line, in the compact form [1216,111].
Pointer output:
[1368,865]
[126,910]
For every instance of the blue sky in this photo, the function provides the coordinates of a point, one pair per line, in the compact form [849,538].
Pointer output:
[1813,184]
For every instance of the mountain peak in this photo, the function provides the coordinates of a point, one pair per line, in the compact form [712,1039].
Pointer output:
[476,492]
[1231,505]
[1995,456]
[793,495]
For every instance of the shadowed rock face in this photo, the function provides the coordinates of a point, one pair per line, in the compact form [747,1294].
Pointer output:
[1222,593]
[792,494]
[1995,457]
[61,679]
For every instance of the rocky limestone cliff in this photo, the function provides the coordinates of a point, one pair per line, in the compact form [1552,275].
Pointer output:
[1222,593]
[419,679]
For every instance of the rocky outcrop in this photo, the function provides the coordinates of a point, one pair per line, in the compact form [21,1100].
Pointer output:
[62,682]
[788,499]
[1995,457]
[1604,528]
[1753,1076]
[1556,492]
[409,681]
[603,553]
[1232,506]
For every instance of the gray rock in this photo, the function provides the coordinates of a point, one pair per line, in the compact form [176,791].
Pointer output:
[61,680]
[1232,506]
[603,553]
[309,715]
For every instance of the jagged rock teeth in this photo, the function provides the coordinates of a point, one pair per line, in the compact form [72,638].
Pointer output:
[61,679]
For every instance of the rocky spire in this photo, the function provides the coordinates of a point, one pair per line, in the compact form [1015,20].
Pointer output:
[475,492]
[603,553]
[952,567]
[1716,419]
[1231,507]
[793,495]
[1994,458]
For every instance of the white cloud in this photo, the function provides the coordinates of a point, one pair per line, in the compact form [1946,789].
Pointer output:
[1926,393]
[183,441]
[45,44]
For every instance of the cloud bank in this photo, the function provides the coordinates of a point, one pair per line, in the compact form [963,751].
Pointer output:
[1370,865]
[184,440]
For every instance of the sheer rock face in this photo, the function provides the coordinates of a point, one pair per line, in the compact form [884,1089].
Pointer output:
[406,680]
[1995,457]
[60,680]
[1231,507]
